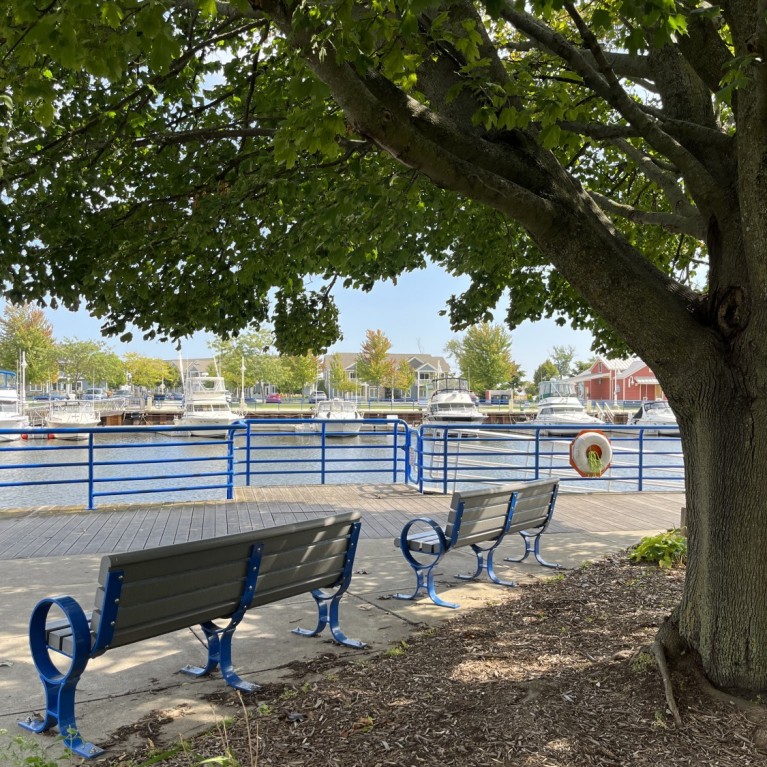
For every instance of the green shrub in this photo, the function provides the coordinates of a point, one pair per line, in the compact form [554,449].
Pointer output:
[666,549]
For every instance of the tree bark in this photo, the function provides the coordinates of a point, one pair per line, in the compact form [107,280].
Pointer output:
[722,615]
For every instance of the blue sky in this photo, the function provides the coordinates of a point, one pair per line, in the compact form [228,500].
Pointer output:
[408,313]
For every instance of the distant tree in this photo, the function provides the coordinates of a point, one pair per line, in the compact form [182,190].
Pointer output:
[562,359]
[302,372]
[582,365]
[250,346]
[374,366]
[25,328]
[546,371]
[483,355]
[149,372]
[404,377]
[338,378]
[87,361]
[108,368]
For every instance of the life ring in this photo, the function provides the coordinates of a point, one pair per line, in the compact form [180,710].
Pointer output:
[586,449]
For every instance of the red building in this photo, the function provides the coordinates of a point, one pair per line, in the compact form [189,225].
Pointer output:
[618,381]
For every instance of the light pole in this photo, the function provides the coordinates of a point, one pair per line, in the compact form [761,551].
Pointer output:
[242,386]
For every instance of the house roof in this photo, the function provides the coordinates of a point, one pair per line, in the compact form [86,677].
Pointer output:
[419,362]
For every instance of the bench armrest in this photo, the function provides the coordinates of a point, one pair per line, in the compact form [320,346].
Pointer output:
[81,638]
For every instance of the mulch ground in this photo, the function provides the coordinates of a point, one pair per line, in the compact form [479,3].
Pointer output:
[550,676]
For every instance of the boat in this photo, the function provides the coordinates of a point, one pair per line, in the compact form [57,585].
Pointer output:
[656,413]
[205,404]
[451,402]
[72,414]
[11,415]
[558,405]
[337,417]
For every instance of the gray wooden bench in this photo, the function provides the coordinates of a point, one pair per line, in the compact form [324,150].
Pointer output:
[145,594]
[480,519]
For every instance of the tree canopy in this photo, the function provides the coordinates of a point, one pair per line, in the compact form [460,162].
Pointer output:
[484,357]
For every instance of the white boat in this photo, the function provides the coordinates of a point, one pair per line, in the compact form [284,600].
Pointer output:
[656,413]
[205,404]
[11,416]
[558,405]
[451,402]
[338,418]
[72,414]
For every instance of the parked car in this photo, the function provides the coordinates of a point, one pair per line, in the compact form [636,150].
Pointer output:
[95,394]
[273,398]
[49,396]
[317,396]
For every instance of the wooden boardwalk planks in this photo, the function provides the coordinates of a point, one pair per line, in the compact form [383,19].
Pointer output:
[385,509]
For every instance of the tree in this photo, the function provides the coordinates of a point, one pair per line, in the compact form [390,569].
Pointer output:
[250,346]
[302,372]
[602,161]
[85,361]
[338,378]
[24,328]
[374,365]
[149,372]
[580,366]
[546,371]
[562,359]
[484,356]
[404,378]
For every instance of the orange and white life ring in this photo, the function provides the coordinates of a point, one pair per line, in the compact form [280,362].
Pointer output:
[591,453]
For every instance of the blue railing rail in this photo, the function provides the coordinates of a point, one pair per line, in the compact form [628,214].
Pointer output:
[446,456]
[320,449]
[126,461]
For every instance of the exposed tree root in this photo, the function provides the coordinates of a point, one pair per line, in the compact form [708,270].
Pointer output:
[668,689]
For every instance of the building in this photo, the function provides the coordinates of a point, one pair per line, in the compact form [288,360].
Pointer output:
[425,366]
[618,381]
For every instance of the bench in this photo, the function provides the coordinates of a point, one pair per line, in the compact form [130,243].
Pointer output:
[480,519]
[146,594]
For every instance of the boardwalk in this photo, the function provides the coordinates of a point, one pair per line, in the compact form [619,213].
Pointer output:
[51,532]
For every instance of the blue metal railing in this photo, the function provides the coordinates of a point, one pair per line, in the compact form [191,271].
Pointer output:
[451,456]
[125,461]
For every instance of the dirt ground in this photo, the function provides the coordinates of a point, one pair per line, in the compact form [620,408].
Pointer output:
[550,676]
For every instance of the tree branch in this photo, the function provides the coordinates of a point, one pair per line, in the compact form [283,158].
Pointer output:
[671,222]
[603,82]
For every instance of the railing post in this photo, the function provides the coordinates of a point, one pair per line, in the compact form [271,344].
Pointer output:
[247,454]
[230,465]
[90,472]
[322,453]
[395,426]
[641,461]
[537,452]
[444,460]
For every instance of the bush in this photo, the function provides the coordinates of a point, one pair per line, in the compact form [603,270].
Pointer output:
[665,549]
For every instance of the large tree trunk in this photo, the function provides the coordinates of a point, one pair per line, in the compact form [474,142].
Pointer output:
[723,615]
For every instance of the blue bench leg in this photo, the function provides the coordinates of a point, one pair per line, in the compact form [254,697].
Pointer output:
[487,565]
[327,615]
[534,550]
[60,687]
[424,579]
[220,654]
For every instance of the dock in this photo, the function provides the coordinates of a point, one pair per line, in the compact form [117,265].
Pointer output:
[57,532]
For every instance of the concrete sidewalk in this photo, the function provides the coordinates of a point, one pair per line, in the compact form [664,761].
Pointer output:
[130,684]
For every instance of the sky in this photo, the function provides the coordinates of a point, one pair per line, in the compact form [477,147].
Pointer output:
[408,314]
